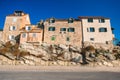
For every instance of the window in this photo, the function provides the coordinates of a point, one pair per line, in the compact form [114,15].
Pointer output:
[71,30]
[34,34]
[53,38]
[91,29]
[23,35]
[11,37]
[70,20]
[12,28]
[102,29]
[101,20]
[28,28]
[51,29]
[14,19]
[62,29]
[52,20]
[90,19]
[67,39]
[91,39]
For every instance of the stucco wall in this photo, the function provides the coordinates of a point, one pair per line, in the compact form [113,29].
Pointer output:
[99,37]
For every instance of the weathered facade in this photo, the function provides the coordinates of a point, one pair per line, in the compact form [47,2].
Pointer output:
[31,34]
[96,29]
[13,24]
[70,31]
[63,31]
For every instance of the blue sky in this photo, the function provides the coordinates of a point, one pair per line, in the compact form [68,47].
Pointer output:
[42,9]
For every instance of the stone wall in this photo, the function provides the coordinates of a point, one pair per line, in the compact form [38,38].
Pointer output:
[75,38]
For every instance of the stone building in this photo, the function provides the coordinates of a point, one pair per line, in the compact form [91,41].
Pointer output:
[63,31]
[70,31]
[13,24]
[31,34]
[96,29]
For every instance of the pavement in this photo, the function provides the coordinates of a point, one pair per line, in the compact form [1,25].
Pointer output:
[59,75]
[20,68]
[13,72]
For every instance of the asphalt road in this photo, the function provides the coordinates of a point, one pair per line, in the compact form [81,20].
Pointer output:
[59,75]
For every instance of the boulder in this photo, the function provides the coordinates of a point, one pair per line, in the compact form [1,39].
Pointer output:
[29,62]
[63,46]
[109,56]
[76,57]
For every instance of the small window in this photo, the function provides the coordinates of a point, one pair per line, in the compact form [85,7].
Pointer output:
[28,28]
[91,39]
[67,39]
[51,29]
[34,34]
[90,19]
[91,29]
[53,38]
[12,28]
[14,19]
[23,35]
[11,37]
[70,20]
[52,20]
[102,29]
[101,20]
[71,29]
[62,29]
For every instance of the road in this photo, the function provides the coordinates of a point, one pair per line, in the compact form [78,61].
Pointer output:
[9,75]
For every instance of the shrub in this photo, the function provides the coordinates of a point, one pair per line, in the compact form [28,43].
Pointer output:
[90,48]
[24,53]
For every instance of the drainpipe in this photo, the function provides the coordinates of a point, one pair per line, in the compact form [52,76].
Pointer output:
[82,34]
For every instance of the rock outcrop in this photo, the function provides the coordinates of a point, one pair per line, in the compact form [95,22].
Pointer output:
[47,55]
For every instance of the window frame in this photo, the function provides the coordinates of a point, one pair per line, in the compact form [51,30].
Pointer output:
[11,37]
[71,29]
[92,39]
[28,28]
[68,39]
[52,20]
[90,20]
[53,38]
[12,28]
[101,29]
[52,29]
[91,29]
[101,20]
[63,29]
[70,20]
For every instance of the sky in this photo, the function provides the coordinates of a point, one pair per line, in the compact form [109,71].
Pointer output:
[43,9]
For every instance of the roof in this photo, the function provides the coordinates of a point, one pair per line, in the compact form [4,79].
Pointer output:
[32,31]
[17,13]
[56,19]
[94,17]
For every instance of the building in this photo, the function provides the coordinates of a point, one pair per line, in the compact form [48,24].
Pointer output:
[96,29]
[63,31]
[69,31]
[31,34]
[13,24]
